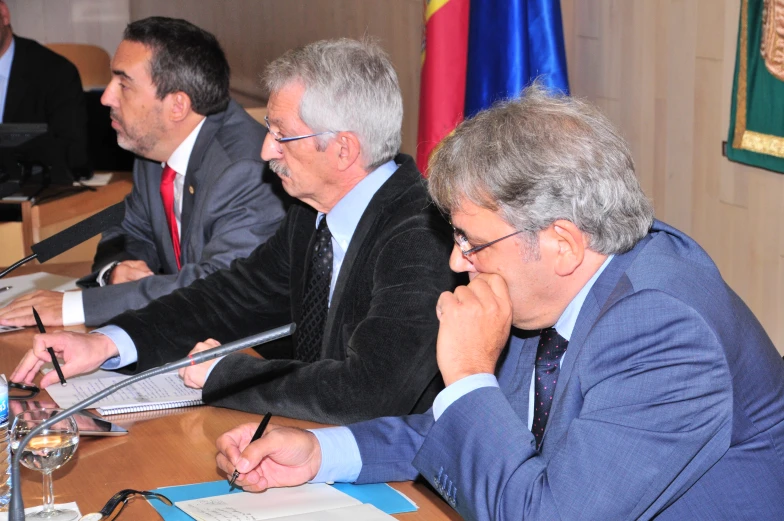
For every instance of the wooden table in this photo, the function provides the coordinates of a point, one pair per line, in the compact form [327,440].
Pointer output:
[52,215]
[175,448]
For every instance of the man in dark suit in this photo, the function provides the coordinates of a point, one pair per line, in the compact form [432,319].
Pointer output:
[169,101]
[636,384]
[358,263]
[42,87]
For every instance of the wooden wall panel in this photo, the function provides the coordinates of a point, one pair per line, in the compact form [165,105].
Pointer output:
[662,71]
[99,22]
[255,32]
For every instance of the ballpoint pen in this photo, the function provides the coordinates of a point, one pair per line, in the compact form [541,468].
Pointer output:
[259,432]
[6,288]
[55,363]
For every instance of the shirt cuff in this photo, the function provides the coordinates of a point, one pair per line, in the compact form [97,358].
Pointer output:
[340,458]
[125,347]
[73,308]
[459,389]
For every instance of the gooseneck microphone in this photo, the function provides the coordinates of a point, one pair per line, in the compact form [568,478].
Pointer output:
[73,236]
[16,508]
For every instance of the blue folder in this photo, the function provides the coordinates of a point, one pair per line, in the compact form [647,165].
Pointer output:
[380,495]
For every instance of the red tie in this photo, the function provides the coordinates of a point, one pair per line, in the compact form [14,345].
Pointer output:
[167,195]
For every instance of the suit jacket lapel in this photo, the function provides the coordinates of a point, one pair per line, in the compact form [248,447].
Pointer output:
[399,181]
[515,370]
[603,292]
[193,175]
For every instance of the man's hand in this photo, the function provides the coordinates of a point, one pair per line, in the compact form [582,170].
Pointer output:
[49,305]
[474,326]
[196,375]
[80,352]
[129,270]
[283,457]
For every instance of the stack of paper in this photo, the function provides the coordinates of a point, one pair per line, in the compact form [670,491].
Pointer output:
[305,503]
[27,283]
[163,391]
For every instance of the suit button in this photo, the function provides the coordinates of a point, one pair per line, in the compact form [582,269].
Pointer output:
[191,189]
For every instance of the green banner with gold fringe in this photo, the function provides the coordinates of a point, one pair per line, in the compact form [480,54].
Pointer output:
[756,135]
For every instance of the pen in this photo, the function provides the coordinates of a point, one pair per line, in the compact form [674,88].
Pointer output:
[55,363]
[6,288]
[259,432]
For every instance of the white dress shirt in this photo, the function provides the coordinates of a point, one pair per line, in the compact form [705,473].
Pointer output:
[5,74]
[73,306]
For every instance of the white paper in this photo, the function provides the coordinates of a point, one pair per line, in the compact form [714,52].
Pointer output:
[163,388]
[98,179]
[33,510]
[98,373]
[272,504]
[365,512]
[24,284]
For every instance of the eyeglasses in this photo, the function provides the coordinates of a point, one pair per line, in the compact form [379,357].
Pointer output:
[280,139]
[465,246]
[17,391]
[117,503]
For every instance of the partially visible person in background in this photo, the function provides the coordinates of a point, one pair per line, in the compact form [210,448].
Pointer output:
[40,86]
[199,199]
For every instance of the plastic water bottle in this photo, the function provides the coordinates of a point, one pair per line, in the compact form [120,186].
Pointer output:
[5,447]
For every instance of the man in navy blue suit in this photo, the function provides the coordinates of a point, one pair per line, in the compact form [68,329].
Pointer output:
[597,365]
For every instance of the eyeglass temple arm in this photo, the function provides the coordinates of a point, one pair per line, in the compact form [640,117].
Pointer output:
[123,496]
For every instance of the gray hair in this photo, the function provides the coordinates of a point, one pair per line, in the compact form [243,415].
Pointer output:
[349,86]
[541,158]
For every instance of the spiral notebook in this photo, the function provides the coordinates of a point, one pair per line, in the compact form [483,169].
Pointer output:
[163,391]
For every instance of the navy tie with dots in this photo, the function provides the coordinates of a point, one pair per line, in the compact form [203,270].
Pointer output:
[551,348]
[315,302]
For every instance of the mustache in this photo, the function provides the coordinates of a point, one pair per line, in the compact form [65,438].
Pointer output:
[279,168]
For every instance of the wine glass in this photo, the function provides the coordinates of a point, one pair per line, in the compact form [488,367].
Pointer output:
[48,450]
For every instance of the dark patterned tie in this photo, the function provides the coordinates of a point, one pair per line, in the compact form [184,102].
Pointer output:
[551,348]
[315,303]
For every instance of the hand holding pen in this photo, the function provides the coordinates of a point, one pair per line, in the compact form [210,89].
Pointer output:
[55,363]
[258,434]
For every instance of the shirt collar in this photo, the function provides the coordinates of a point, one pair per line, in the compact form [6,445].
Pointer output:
[345,215]
[182,154]
[565,324]
[7,59]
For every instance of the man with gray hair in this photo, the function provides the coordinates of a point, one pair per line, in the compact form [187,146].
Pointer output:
[358,263]
[597,365]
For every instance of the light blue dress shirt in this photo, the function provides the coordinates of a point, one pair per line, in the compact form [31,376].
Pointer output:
[340,458]
[342,221]
[5,74]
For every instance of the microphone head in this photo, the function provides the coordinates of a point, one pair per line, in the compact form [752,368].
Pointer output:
[79,232]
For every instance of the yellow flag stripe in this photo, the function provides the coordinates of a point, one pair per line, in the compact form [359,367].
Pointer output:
[432,7]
